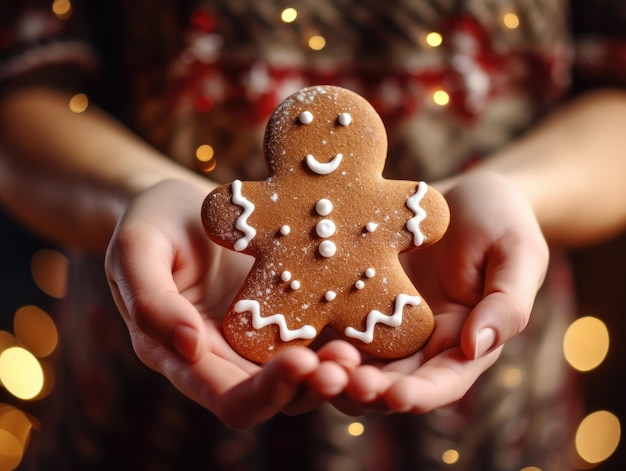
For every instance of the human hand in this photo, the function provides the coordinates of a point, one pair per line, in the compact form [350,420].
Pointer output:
[480,280]
[172,286]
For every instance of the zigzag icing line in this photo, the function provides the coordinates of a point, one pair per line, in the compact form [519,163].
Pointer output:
[242,220]
[258,321]
[413,203]
[375,317]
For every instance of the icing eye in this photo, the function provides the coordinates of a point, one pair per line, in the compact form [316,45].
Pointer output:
[306,117]
[344,119]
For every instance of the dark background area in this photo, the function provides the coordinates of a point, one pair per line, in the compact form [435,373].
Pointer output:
[17,287]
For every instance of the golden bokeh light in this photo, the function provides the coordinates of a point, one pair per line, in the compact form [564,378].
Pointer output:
[511,378]
[204,153]
[7,340]
[205,158]
[530,468]
[20,373]
[586,343]
[317,43]
[597,436]
[62,9]
[49,269]
[49,379]
[434,39]
[16,423]
[36,330]
[441,97]
[356,429]
[11,451]
[79,103]
[289,15]
[510,20]
[450,456]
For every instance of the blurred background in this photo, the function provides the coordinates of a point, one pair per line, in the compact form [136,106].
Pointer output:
[32,278]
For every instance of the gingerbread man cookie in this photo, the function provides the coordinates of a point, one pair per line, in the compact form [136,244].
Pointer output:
[326,229]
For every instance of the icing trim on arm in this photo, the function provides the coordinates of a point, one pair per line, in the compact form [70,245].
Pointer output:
[242,220]
[413,204]
[258,321]
[375,317]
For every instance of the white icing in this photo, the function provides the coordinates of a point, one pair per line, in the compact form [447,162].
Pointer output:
[327,249]
[370,272]
[242,220]
[323,168]
[323,207]
[371,226]
[295,284]
[325,228]
[413,203]
[344,119]
[284,230]
[330,295]
[306,117]
[258,322]
[285,276]
[374,317]
[359,284]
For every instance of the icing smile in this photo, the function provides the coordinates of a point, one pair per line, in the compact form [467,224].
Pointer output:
[323,168]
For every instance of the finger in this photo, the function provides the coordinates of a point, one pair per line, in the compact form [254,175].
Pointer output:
[337,359]
[269,391]
[328,381]
[439,382]
[139,269]
[340,352]
[513,276]
[204,381]
[368,383]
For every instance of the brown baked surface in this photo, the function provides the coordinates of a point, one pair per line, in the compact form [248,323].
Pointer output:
[368,226]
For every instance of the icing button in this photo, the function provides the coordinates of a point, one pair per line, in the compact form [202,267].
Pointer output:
[327,249]
[371,226]
[324,207]
[325,228]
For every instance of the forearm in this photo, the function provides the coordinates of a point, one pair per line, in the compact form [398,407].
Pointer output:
[572,167]
[69,176]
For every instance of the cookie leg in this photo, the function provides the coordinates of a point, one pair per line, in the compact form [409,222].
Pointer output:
[396,329]
[258,329]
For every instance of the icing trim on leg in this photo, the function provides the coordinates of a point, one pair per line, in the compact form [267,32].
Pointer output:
[258,321]
[375,317]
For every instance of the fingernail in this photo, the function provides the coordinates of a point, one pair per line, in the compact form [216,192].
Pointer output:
[185,341]
[485,340]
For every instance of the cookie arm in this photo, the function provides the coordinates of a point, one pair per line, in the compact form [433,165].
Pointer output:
[225,213]
[431,215]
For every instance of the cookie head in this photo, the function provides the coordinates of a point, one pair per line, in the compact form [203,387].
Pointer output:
[325,229]
[325,130]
